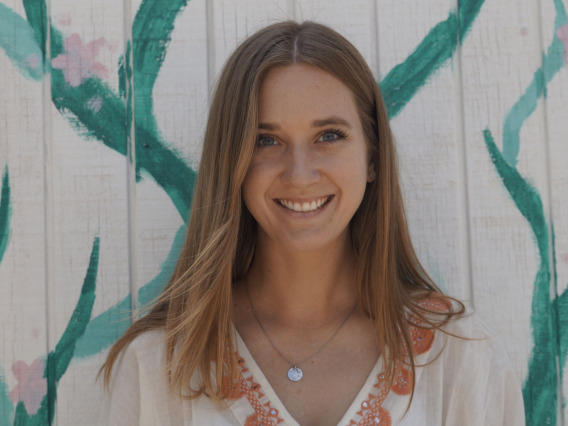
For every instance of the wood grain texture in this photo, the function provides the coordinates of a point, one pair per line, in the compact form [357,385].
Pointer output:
[180,108]
[89,195]
[232,22]
[555,107]
[355,20]
[429,138]
[499,62]
[23,269]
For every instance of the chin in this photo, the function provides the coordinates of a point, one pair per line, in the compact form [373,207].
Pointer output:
[311,243]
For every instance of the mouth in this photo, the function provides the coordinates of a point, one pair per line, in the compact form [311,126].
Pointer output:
[305,206]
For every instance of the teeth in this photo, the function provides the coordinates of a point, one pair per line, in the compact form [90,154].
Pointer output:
[304,207]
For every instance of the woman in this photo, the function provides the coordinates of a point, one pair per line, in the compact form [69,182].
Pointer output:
[298,297]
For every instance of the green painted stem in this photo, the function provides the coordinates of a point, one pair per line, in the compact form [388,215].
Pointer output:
[404,80]
[59,359]
[5,213]
[151,34]
[6,408]
[541,385]
[104,329]
[552,63]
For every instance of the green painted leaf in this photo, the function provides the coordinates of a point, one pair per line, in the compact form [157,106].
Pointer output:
[5,213]
[404,80]
[540,390]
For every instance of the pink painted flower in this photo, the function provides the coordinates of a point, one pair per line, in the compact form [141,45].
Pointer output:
[31,387]
[78,62]
[562,34]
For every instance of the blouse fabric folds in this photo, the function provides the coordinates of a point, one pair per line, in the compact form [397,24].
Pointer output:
[465,382]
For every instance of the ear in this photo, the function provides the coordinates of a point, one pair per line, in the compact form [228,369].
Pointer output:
[371,172]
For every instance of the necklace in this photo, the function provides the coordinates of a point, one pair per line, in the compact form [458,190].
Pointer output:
[295,373]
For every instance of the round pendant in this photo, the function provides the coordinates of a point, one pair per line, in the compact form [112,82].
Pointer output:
[295,374]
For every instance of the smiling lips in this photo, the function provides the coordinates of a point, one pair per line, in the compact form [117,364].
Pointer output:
[304,207]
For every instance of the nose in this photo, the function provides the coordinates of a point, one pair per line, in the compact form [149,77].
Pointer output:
[300,167]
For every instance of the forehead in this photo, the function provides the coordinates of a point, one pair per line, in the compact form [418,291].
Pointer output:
[302,92]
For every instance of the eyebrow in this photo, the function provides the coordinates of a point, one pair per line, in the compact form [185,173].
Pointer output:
[333,120]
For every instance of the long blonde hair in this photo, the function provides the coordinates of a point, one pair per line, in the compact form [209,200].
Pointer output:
[195,307]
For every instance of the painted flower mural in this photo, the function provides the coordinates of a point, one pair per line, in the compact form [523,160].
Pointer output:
[31,387]
[81,93]
[79,61]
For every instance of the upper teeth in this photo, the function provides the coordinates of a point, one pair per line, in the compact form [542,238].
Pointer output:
[305,206]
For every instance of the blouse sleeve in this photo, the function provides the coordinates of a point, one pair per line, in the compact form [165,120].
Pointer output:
[121,405]
[483,388]
[504,399]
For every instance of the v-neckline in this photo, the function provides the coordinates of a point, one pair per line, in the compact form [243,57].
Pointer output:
[275,401]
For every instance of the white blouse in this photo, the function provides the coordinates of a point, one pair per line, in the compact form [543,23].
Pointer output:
[460,382]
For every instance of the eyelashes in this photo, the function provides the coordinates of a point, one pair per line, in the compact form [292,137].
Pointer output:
[337,133]
[264,141]
[326,136]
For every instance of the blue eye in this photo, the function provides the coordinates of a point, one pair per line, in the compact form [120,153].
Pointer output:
[332,135]
[265,141]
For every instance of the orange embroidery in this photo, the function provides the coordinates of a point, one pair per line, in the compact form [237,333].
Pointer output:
[403,382]
[264,413]
[371,412]
[422,339]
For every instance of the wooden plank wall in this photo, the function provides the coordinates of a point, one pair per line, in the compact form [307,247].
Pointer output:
[99,148]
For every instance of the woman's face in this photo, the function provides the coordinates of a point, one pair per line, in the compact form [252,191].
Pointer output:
[311,164]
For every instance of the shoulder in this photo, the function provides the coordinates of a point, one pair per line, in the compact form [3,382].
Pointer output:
[475,369]
[145,352]
[465,343]
[143,362]
[138,382]
[148,346]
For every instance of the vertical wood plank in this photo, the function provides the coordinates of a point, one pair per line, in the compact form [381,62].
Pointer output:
[233,22]
[429,138]
[554,32]
[89,189]
[177,121]
[355,20]
[22,267]
[499,62]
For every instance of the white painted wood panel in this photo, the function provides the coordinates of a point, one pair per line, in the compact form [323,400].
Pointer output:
[556,110]
[429,138]
[355,20]
[180,99]
[230,22]
[89,196]
[499,60]
[23,269]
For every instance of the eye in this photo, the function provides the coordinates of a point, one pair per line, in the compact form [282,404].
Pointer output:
[265,141]
[332,135]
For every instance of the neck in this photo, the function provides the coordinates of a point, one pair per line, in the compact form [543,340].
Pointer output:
[299,288]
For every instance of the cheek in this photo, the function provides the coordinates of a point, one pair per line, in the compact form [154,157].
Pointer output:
[254,188]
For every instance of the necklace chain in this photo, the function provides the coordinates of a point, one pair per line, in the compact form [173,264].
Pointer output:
[322,347]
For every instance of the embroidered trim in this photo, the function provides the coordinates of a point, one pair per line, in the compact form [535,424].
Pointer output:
[264,413]
[371,412]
